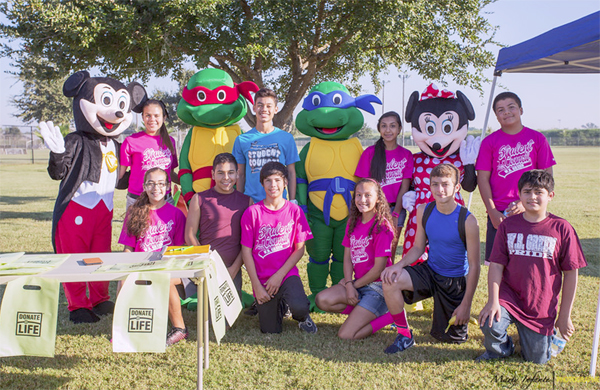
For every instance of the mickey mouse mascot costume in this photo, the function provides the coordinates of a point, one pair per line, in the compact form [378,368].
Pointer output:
[86,163]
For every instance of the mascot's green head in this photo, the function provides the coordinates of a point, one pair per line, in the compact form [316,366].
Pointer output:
[330,113]
[211,99]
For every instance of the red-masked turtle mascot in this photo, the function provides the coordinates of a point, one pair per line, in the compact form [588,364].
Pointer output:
[439,120]
[86,163]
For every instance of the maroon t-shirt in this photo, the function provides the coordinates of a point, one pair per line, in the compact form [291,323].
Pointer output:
[534,256]
[220,216]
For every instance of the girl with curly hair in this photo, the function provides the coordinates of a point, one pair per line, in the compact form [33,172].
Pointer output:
[151,222]
[368,240]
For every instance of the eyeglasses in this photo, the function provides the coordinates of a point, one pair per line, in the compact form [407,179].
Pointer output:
[151,184]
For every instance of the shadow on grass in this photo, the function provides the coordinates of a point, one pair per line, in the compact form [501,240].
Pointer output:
[327,346]
[591,249]
[15,200]
[27,381]
[32,215]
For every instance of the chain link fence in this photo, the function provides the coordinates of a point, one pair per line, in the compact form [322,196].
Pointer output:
[20,144]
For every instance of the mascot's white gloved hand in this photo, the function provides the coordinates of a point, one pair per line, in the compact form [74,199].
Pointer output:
[53,139]
[469,149]
[408,200]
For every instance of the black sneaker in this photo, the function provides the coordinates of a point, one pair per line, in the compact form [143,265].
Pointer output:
[83,316]
[175,335]
[252,311]
[485,357]
[401,343]
[308,325]
[104,308]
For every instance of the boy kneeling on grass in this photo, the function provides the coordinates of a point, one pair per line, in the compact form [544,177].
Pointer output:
[531,253]
[273,234]
[450,274]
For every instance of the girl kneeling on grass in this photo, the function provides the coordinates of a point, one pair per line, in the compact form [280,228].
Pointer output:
[152,223]
[368,240]
[391,165]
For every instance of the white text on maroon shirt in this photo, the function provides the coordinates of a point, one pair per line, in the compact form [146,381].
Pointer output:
[534,245]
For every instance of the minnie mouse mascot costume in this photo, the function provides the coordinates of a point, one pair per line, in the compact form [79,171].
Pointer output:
[439,120]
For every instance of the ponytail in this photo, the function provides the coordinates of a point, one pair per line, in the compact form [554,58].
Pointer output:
[378,163]
[138,216]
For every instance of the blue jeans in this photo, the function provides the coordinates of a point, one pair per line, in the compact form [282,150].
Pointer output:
[535,347]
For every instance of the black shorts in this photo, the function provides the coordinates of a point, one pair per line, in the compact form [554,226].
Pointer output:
[447,294]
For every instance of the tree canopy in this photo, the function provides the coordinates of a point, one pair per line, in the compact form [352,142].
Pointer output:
[42,98]
[287,45]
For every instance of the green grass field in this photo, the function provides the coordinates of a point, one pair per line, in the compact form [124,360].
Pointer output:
[295,360]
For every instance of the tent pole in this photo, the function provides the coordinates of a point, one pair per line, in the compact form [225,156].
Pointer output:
[487,113]
[595,343]
[485,123]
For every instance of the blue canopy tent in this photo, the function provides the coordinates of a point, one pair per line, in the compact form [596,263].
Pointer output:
[571,48]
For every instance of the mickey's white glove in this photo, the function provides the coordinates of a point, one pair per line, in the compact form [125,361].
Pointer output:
[408,200]
[469,149]
[53,139]
[294,201]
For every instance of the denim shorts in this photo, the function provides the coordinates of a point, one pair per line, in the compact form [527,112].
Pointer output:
[371,298]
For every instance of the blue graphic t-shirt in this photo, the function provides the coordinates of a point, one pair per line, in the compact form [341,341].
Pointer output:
[255,149]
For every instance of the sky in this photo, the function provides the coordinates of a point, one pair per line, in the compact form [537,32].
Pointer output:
[549,101]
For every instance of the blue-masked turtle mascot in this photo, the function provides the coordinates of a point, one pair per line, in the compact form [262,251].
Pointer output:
[325,175]
[440,122]
[213,104]
[86,163]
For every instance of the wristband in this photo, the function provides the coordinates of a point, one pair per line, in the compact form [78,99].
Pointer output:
[395,214]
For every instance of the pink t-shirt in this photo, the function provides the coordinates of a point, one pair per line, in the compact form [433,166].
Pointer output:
[399,166]
[365,247]
[167,226]
[141,152]
[534,256]
[273,235]
[507,157]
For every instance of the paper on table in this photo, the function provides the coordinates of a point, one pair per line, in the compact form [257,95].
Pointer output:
[189,262]
[33,264]
[157,265]
[23,271]
[10,257]
[36,261]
